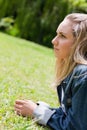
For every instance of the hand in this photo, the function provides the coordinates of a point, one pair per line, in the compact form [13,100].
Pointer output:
[25,107]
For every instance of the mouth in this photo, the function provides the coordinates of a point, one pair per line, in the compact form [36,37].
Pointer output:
[56,49]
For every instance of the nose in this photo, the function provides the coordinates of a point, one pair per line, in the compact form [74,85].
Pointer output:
[55,41]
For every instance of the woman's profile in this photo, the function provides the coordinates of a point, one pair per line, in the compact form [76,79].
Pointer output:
[70,50]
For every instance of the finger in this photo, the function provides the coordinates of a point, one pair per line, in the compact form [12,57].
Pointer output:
[18,106]
[19,101]
[17,111]
[28,101]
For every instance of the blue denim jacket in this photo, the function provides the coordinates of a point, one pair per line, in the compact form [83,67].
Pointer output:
[72,113]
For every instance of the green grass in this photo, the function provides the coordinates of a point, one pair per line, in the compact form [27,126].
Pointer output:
[26,72]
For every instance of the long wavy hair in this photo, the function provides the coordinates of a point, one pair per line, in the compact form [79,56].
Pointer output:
[78,54]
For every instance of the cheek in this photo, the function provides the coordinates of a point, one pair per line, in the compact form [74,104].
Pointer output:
[65,47]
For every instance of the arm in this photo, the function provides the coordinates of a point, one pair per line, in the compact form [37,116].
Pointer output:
[76,118]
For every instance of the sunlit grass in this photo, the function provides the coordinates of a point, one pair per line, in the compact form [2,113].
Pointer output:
[26,72]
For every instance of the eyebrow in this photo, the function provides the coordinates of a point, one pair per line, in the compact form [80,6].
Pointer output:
[60,32]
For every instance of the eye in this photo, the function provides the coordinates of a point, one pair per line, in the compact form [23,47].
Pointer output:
[62,35]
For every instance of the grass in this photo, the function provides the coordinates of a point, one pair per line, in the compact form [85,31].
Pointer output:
[26,72]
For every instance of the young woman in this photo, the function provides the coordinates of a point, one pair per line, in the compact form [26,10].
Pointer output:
[70,48]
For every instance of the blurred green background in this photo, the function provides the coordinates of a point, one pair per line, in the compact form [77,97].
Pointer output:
[36,20]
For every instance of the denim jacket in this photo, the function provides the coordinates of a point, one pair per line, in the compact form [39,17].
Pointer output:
[72,113]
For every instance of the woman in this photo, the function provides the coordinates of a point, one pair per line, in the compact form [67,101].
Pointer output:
[70,48]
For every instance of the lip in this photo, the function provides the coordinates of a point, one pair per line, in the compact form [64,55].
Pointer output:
[56,49]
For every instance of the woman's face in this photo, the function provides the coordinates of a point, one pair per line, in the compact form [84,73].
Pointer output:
[64,40]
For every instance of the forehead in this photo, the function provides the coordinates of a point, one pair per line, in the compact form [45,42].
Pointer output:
[65,27]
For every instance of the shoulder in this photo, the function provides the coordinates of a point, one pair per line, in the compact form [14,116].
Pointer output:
[79,80]
[80,70]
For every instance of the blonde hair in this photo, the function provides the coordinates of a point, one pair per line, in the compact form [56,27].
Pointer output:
[78,54]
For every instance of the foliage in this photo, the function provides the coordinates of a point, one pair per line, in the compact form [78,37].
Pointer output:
[13,30]
[79,5]
[26,72]
[9,8]
[38,20]
[6,23]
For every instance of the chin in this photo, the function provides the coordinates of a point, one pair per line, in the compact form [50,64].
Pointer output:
[56,54]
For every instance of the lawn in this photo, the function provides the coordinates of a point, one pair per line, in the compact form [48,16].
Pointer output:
[26,72]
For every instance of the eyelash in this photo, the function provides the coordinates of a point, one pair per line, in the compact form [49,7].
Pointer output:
[61,35]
